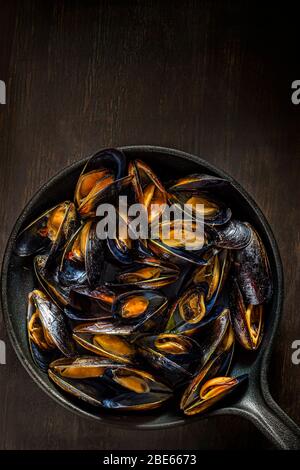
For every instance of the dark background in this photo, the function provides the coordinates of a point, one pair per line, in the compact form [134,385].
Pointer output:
[211,78]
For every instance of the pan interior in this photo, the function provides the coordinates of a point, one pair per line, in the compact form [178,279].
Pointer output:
[18,277]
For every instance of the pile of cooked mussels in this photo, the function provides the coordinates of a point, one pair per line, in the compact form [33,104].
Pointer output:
[132,324]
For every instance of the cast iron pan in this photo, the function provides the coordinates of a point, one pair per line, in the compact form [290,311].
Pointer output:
[253,401]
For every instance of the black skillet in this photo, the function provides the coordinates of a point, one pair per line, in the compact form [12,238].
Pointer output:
[253,401]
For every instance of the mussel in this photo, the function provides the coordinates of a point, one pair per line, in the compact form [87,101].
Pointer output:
[215,364]
[200,206]
[72,265]
[143,309]
[106,340]
[198,182]
[180,243]
[247,319]
[81,367]
[213,335]
[234,235]
[48,232]
[216,335]
[148,189]
[193,306]
[212,277]
[50,282]
[101,382]
[199,397]
[48,331]
[252,270]
[149,273]
[188,311]
[83,257]
[80,377]
[102,178]
[90,304]
[136,389]
[174,356]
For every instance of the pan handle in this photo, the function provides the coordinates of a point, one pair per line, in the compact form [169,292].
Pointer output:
[271,420]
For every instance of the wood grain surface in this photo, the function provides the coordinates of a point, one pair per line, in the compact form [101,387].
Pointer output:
[212,78]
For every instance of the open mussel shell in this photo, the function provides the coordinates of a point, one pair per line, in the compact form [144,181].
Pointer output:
[247,319]
[135,389]
[83,257]
[201,207]
[217,365]
[81,367]
[180,349]
[72,269]
[252,271]
[106,341]
[149,273]
[144,309]
[92,302]
[109,191]
[48,232]
[48,331]
[101,179]
[54,323]
[215,334]
[42,349]
[176,357]
[207,394]
[197,182]
[148,189]
[180,246]
[193,310]
[235,235]
[112,159]
[174,255]
[120,244]
[188,311]
[90,390]
[226,345]
[218,354]
[50,282]
[212,276]
[68,226]
[101,382]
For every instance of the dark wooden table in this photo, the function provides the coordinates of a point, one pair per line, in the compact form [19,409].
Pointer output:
[212,78]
